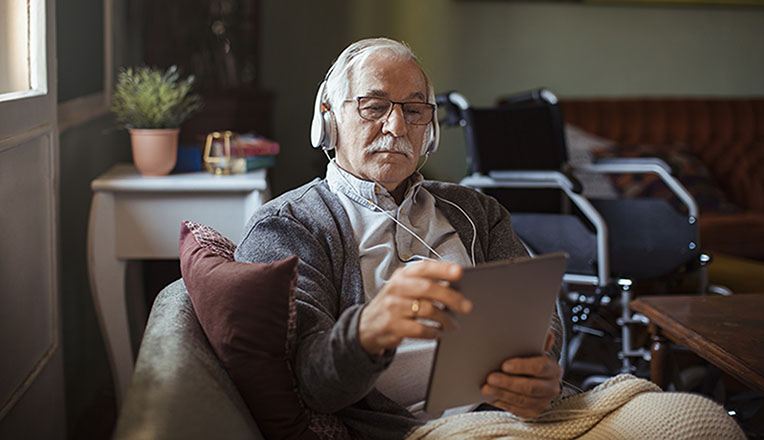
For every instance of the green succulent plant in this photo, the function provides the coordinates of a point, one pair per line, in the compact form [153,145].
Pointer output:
[147,97]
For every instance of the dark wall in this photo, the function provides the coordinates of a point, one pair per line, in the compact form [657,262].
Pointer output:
[80,37]
[86,151]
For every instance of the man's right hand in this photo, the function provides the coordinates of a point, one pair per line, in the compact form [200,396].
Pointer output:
[407,297]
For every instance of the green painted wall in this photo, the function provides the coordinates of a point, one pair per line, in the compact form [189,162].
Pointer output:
[488,48]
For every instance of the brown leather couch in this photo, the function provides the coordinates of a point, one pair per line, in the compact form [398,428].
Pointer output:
[727,134]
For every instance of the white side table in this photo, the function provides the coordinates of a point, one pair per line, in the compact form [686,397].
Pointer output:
[135,217]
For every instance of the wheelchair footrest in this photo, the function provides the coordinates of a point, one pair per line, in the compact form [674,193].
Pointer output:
[638,353]
[637,318]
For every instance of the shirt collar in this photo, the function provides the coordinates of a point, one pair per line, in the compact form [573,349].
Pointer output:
[364,191]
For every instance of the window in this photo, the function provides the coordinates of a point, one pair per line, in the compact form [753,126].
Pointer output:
[22,49]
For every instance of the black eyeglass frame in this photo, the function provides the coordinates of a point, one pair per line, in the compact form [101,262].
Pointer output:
[357,100]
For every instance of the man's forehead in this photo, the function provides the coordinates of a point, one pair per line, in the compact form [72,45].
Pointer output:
[383,74]
[384,94]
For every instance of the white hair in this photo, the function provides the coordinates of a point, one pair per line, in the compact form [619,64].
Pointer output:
[339,76]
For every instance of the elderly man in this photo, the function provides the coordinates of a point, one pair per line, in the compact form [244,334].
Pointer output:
[378,247]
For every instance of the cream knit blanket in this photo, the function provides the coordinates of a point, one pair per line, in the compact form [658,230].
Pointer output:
[624,407]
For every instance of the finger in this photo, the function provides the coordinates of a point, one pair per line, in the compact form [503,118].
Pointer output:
[392,337]
[412,288]
[537,366]
[524,386]
[439,270]
[430,312]
[516,401]
[518,411]
[549,341]
[416,330]
[418,283]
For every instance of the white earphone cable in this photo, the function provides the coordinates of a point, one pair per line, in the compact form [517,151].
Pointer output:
[426,156]
[474,228]
[414,234]
[378,208]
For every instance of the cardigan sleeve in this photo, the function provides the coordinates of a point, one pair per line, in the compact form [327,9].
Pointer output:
[332,370]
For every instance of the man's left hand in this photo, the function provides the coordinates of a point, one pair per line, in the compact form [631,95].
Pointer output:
[525,386]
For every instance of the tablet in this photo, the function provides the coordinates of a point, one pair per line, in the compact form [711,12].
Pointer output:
[513,302]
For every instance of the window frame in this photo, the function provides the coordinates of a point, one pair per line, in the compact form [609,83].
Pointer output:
[38,68]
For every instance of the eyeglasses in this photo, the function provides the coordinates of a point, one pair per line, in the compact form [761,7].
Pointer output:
[374,109]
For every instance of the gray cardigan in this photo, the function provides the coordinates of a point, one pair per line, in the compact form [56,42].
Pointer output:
[334,373]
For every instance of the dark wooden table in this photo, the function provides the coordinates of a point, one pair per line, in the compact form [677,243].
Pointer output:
[727,331]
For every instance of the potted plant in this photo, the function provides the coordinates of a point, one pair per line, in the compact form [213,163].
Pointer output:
[151,104]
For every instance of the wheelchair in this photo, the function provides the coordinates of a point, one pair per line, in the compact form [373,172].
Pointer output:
[517,153]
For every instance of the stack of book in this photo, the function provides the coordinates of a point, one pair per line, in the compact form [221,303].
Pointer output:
[254,152]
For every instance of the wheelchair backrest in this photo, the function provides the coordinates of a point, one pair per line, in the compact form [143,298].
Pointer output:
[524,132]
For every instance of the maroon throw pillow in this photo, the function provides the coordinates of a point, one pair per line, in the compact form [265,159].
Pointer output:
[247,311]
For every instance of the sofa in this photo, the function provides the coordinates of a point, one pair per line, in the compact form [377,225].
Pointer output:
[725,136]
[177,364]
[180,390]
[215,353]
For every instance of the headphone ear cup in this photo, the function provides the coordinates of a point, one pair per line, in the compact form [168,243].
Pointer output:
[330,130]
[432,144]
[318,126]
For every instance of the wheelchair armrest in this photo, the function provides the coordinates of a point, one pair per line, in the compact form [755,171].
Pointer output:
[635,164]
[553,179]
[525,179]
[646,165]
[578,187]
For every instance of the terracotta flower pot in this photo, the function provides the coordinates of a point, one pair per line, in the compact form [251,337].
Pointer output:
[154,150]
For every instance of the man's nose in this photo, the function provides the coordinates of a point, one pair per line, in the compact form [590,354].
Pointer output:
[395,124]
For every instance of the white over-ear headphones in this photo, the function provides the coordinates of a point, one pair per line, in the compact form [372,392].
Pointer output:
[323,128]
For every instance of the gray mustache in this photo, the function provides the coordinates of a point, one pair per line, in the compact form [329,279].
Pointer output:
[389,143]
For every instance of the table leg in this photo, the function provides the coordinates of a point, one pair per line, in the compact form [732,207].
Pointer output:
[107,284]
[659,352]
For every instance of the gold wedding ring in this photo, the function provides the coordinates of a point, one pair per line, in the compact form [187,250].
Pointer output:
[415,307]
